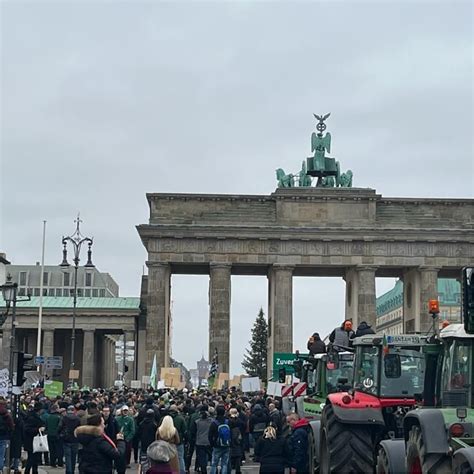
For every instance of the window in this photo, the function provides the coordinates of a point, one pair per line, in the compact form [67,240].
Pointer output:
[88,279]
[45,292]
[66,279]
[45,278]
[66,293]
[79,292]
[59,292]
[21,292]
[22,278]
[87,292]
[51,292]
[102,292]
[95,292]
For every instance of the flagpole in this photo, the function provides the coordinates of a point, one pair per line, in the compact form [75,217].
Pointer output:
[40,314]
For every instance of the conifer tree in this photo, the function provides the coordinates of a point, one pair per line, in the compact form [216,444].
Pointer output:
[255,360]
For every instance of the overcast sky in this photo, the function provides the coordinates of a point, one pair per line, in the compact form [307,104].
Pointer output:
[102,102]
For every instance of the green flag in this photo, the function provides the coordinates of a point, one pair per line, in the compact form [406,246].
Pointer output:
[153,381]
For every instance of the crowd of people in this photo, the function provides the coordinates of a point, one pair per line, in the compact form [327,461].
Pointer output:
[105,431]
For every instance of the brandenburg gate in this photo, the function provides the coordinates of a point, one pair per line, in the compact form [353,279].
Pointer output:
[352,233]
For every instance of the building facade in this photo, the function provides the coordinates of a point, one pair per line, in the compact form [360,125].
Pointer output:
[390,306]
[59,282]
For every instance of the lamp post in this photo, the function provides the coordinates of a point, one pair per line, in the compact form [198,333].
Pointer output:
[76,240]
[9,290]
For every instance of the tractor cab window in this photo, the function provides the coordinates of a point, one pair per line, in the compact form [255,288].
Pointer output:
[367,369]
[344,370]
[458,369]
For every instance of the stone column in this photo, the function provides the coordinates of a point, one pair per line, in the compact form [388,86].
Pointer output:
[47,348]
[352,295]
[283,308]
[271,319]
[88,358]
[366,307]
[219,314]
[411,300]
[428,291]
[158,316]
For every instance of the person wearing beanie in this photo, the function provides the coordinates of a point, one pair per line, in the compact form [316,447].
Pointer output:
[54,442]
[66,429]
[147,430]
[315,345]
[98,451]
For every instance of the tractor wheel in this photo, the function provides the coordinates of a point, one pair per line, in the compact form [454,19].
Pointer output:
[344,448]
[311,466]
[421,462]
[464,468]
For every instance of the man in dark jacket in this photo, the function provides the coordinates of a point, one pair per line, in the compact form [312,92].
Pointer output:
[111,424]
[220,454]
[6,430]
[54,441]
[181,427]
[66,429]
[363,329]
[98,451]
[315,345]
[298,444]
[149,404]
[33,424]
[147,430]
[258,422]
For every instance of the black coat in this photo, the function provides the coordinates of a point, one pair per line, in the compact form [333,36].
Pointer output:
[67,426]
[237,426]
[363,329]
[258,421]
[147,432]
[97,454]
[316,346]
[31,427]
[272,454]
[112,427]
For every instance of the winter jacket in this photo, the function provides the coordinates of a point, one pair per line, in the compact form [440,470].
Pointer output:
[237,431]
[200,431]
[340,337]
[98,453]
[276,420]
[6,423]
[213,429]
[180,425]
[258,421]
[142,413]
[298,446]
[112,427]
[31,427]
[52,424]
[316,346]
[127,426]
[272,454]
[146,432]
[364,329]
[66,427]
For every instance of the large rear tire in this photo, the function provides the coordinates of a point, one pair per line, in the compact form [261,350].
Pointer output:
[383,466]
[419,461]
[311,466]
[344,448]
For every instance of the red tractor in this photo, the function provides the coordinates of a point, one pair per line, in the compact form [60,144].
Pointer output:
[388,379]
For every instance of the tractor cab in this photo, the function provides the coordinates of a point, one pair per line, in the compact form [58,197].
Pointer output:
[390,366]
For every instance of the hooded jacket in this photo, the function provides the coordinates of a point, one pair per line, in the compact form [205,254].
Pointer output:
[258,420]
[316,346]
[98,453]
[363,329]
[298,445]
[146,432]
[66,427]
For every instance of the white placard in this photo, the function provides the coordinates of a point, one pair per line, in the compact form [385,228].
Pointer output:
[161,384]
[250,384]
[4,381]
[274,389]
[135,384]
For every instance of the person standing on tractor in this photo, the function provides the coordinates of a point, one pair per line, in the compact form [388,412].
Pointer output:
[315,345]
[363,329]
[341,336]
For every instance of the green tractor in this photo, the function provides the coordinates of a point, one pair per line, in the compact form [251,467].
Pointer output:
[439,436]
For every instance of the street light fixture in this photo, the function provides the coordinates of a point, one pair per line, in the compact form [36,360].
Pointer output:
[76,240]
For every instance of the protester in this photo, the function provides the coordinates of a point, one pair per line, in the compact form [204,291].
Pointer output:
[180,425]
[315,345]
[55,443]
[66,428]
[363,329]
[271,452]
[199,432]
[146,431]
[258,422]
[340,337]
[31,428]
[298,444]
[167,432]
[127,428]
[161,455]
[111,424]
[237,431]
[275,418]
[220,440]
[6,431]
[99,452]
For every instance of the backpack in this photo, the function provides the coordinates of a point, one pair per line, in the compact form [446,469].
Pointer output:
[223,434]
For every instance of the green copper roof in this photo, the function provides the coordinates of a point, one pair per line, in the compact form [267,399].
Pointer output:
[449,292]
[82,302]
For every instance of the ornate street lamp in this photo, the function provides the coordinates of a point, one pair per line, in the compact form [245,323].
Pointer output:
[76,240]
